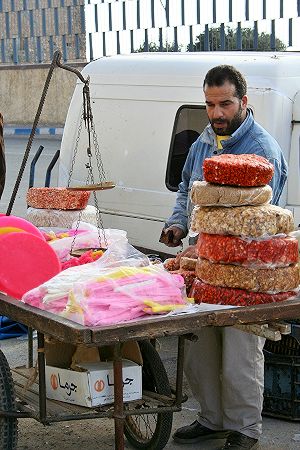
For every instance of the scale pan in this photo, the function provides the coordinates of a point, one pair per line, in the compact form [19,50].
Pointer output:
[93,187]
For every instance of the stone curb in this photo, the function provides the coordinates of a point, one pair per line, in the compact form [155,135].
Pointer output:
[25,131]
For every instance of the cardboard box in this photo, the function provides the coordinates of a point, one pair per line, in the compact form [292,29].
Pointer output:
[94,386]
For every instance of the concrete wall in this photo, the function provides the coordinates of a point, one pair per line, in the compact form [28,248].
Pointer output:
[21,88]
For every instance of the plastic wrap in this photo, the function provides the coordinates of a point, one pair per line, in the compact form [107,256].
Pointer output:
[203,292]
[266,253]
[188,277]
[120,286]
[52,234]
[86,258]
[183,266]
[238,170]
[59,218]
[250,221]
[87,240]
[187,263]
[275,280]
[171,264]
[208,194]
[57,198]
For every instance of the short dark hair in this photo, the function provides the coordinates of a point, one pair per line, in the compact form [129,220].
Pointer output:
[218,75]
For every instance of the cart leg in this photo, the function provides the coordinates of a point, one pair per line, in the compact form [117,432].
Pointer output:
[42,378]
[179,371]
[118,396]
[30,347]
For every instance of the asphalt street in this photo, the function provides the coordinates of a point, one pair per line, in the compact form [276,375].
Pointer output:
[278,434]
[14,151]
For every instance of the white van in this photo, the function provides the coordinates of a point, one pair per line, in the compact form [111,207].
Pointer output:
[149,107]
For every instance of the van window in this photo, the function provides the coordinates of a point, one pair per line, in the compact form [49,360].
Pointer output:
[190,121]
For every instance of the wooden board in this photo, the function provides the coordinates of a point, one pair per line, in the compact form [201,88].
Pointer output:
[93,187]
[44,321]
[151,328]
[184,324]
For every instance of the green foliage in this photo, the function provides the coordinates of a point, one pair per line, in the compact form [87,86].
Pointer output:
[153,47]
[230,39]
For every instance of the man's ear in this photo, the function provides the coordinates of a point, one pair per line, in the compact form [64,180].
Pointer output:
[244,101]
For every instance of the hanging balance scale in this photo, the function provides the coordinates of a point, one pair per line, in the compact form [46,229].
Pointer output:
[91,184]
[92,154]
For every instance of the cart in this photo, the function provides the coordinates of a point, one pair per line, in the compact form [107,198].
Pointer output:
[158,402]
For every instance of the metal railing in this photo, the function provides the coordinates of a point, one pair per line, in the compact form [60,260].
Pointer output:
[123,26]
[31,30]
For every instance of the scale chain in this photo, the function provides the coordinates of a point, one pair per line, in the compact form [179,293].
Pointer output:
[87,118]
[75,148]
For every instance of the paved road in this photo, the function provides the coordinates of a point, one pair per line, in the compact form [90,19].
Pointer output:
[277,435]
[99,434]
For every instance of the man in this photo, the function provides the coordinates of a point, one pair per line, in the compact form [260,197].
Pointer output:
[225,366]
[2,157]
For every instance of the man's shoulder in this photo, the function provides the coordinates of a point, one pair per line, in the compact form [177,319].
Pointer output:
[261,132]
[261,138]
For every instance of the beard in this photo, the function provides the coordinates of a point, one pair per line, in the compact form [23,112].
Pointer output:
[232,125]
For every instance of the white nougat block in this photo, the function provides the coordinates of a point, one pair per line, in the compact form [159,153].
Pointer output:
[60,218]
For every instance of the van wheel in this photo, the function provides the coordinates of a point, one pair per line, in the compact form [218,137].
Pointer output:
[150,431]
[8,425]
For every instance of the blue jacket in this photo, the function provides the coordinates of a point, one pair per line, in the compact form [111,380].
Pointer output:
[250,137]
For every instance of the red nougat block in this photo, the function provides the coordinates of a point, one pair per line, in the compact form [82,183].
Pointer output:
[207,293]
[57,198]
[171,264]
[238,170]
[274,252]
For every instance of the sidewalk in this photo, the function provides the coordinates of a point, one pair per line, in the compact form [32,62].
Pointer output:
[23,131]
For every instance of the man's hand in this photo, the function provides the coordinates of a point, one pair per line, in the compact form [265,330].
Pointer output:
[172,236]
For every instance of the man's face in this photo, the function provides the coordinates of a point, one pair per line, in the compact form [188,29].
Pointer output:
[225,110]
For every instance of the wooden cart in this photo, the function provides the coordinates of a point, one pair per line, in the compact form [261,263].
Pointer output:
[18,400]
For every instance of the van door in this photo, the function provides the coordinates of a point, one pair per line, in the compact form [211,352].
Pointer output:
[294,164]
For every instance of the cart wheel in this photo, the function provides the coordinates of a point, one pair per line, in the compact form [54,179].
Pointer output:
[8,425]
[150,431]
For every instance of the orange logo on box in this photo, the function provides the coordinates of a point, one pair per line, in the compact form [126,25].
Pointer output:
[54,381]
[99,385]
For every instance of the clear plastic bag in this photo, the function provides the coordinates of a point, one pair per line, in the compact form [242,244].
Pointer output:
[88,237]
[208,194]
[121,285]
[208,293]
[60,218]
[276,251]
[249,221]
